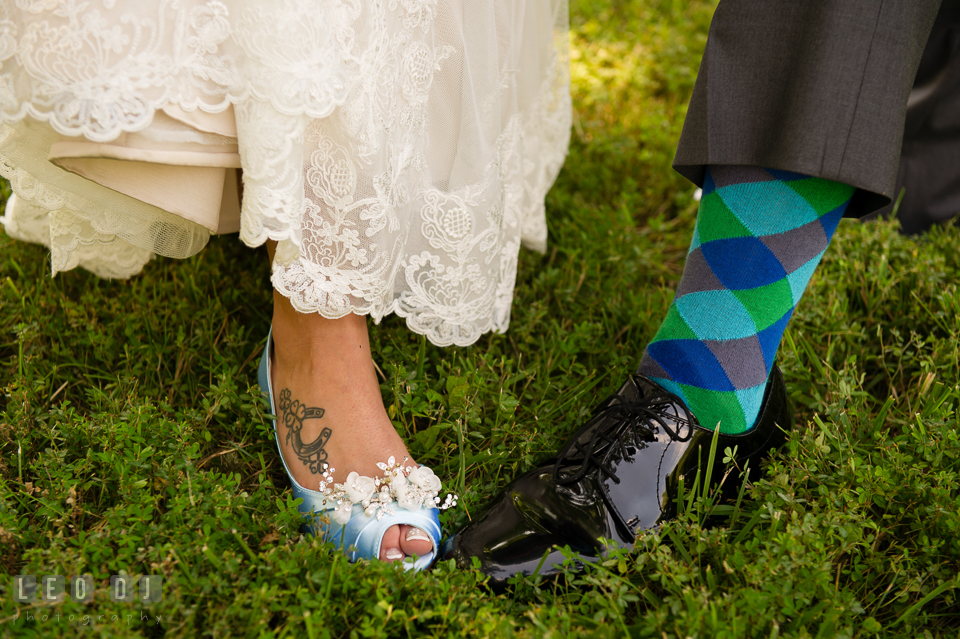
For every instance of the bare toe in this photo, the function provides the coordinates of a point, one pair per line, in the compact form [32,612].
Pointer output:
[390,548]
[414,541]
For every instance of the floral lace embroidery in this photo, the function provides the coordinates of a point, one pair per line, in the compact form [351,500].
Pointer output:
[397,157]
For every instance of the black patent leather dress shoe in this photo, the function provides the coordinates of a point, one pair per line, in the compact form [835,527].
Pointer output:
[615,478]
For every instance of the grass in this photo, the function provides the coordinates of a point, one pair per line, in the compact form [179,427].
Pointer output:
[134,441]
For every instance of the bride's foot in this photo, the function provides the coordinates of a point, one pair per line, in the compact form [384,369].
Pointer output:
[330,411]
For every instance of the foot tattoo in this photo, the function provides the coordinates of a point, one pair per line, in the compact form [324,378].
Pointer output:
[312,454]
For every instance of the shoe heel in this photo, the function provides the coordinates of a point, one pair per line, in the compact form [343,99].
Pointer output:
[314,502]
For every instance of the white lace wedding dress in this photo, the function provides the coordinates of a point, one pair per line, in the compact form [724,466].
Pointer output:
[398,151]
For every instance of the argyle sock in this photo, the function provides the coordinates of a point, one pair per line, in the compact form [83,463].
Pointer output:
[760,233]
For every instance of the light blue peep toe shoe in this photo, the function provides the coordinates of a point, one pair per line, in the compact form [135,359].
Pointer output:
[356,515]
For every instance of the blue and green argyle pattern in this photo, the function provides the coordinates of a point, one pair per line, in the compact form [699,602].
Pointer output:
[760,234]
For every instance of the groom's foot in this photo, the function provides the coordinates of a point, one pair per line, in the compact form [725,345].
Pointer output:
[615,478]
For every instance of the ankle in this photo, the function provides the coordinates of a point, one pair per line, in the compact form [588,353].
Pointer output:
[325,369]
[301,335]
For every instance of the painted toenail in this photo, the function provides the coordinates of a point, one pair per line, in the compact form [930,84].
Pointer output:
[415,534]
[394,553]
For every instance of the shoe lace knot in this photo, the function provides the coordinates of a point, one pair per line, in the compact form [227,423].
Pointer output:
[642,417]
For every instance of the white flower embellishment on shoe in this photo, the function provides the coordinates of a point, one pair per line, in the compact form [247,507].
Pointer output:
[424,478]
[405,487]
[407,497]
[359,489]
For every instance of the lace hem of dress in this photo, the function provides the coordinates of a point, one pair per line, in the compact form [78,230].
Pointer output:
[444,295]
[380,202]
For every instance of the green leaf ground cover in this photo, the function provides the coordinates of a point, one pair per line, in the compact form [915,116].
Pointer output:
[134,441]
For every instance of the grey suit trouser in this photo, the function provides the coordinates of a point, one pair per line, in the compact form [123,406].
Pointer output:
[930,160]
[818,87]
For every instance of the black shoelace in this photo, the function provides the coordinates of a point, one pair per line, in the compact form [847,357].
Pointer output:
[642,416]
